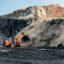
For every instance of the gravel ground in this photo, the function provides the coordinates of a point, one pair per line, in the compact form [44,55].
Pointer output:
[27,56]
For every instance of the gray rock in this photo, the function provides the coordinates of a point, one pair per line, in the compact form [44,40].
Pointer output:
[10,27]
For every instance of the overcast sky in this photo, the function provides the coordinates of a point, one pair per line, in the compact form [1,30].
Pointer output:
[8,6]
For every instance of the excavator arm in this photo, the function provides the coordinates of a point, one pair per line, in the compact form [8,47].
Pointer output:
[19,38]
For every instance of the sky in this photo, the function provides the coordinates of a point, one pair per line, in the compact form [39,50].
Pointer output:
[8,6]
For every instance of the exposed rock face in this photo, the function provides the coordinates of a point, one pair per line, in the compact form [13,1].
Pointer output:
[30,12]
[46,33]
[58,12]
[37,12]
[31,21]
[10,27]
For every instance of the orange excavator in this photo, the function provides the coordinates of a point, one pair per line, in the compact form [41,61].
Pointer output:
[12,43]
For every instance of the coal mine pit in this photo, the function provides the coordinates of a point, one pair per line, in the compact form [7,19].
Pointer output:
[31,56]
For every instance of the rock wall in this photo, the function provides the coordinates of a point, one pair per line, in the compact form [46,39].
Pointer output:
[46,33]
[10,27]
